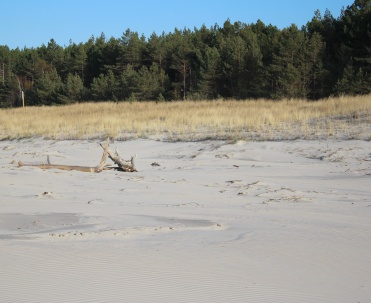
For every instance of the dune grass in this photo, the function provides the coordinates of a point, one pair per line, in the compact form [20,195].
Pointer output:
[343,117]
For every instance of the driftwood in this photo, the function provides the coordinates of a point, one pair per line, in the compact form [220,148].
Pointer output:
[122,165]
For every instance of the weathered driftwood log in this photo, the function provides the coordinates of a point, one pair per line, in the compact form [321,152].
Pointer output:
[127,166]
[63,167]
[124,165]
[97,169]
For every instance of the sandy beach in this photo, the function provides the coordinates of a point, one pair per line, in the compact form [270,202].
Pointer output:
[210,221]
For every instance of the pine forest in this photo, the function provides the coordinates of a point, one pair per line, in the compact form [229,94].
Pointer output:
[326,57]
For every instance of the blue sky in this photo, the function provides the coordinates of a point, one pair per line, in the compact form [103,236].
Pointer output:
[31,23]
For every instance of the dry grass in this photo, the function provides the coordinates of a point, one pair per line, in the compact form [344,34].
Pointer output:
[344,117]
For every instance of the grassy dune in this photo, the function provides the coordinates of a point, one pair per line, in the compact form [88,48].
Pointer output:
[343,118]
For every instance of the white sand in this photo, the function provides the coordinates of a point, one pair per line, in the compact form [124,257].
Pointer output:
[215,222]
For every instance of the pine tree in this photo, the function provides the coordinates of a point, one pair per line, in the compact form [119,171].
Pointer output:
[356,24]
[352,82]
[156,50]
[48,89]
[151,82]
[94,61]
[210,73]
[128,84]
[251,78]
[285,71]
[182,55]
[132,49]
[316,78]
[76,57]
[104,87]
[74,88]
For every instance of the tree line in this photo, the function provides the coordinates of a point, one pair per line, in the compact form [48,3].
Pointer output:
[328,56]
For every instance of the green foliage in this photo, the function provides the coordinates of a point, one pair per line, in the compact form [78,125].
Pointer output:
[160,98]
[104,87]
[353,82]
[327,56]
[75,58]
[151,82]
[284,70]
[210,72]
[129,83]
[132,48]
[74,88]
[48,89]
[10,94]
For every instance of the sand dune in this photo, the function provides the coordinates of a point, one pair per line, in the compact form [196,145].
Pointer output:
[200,222]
